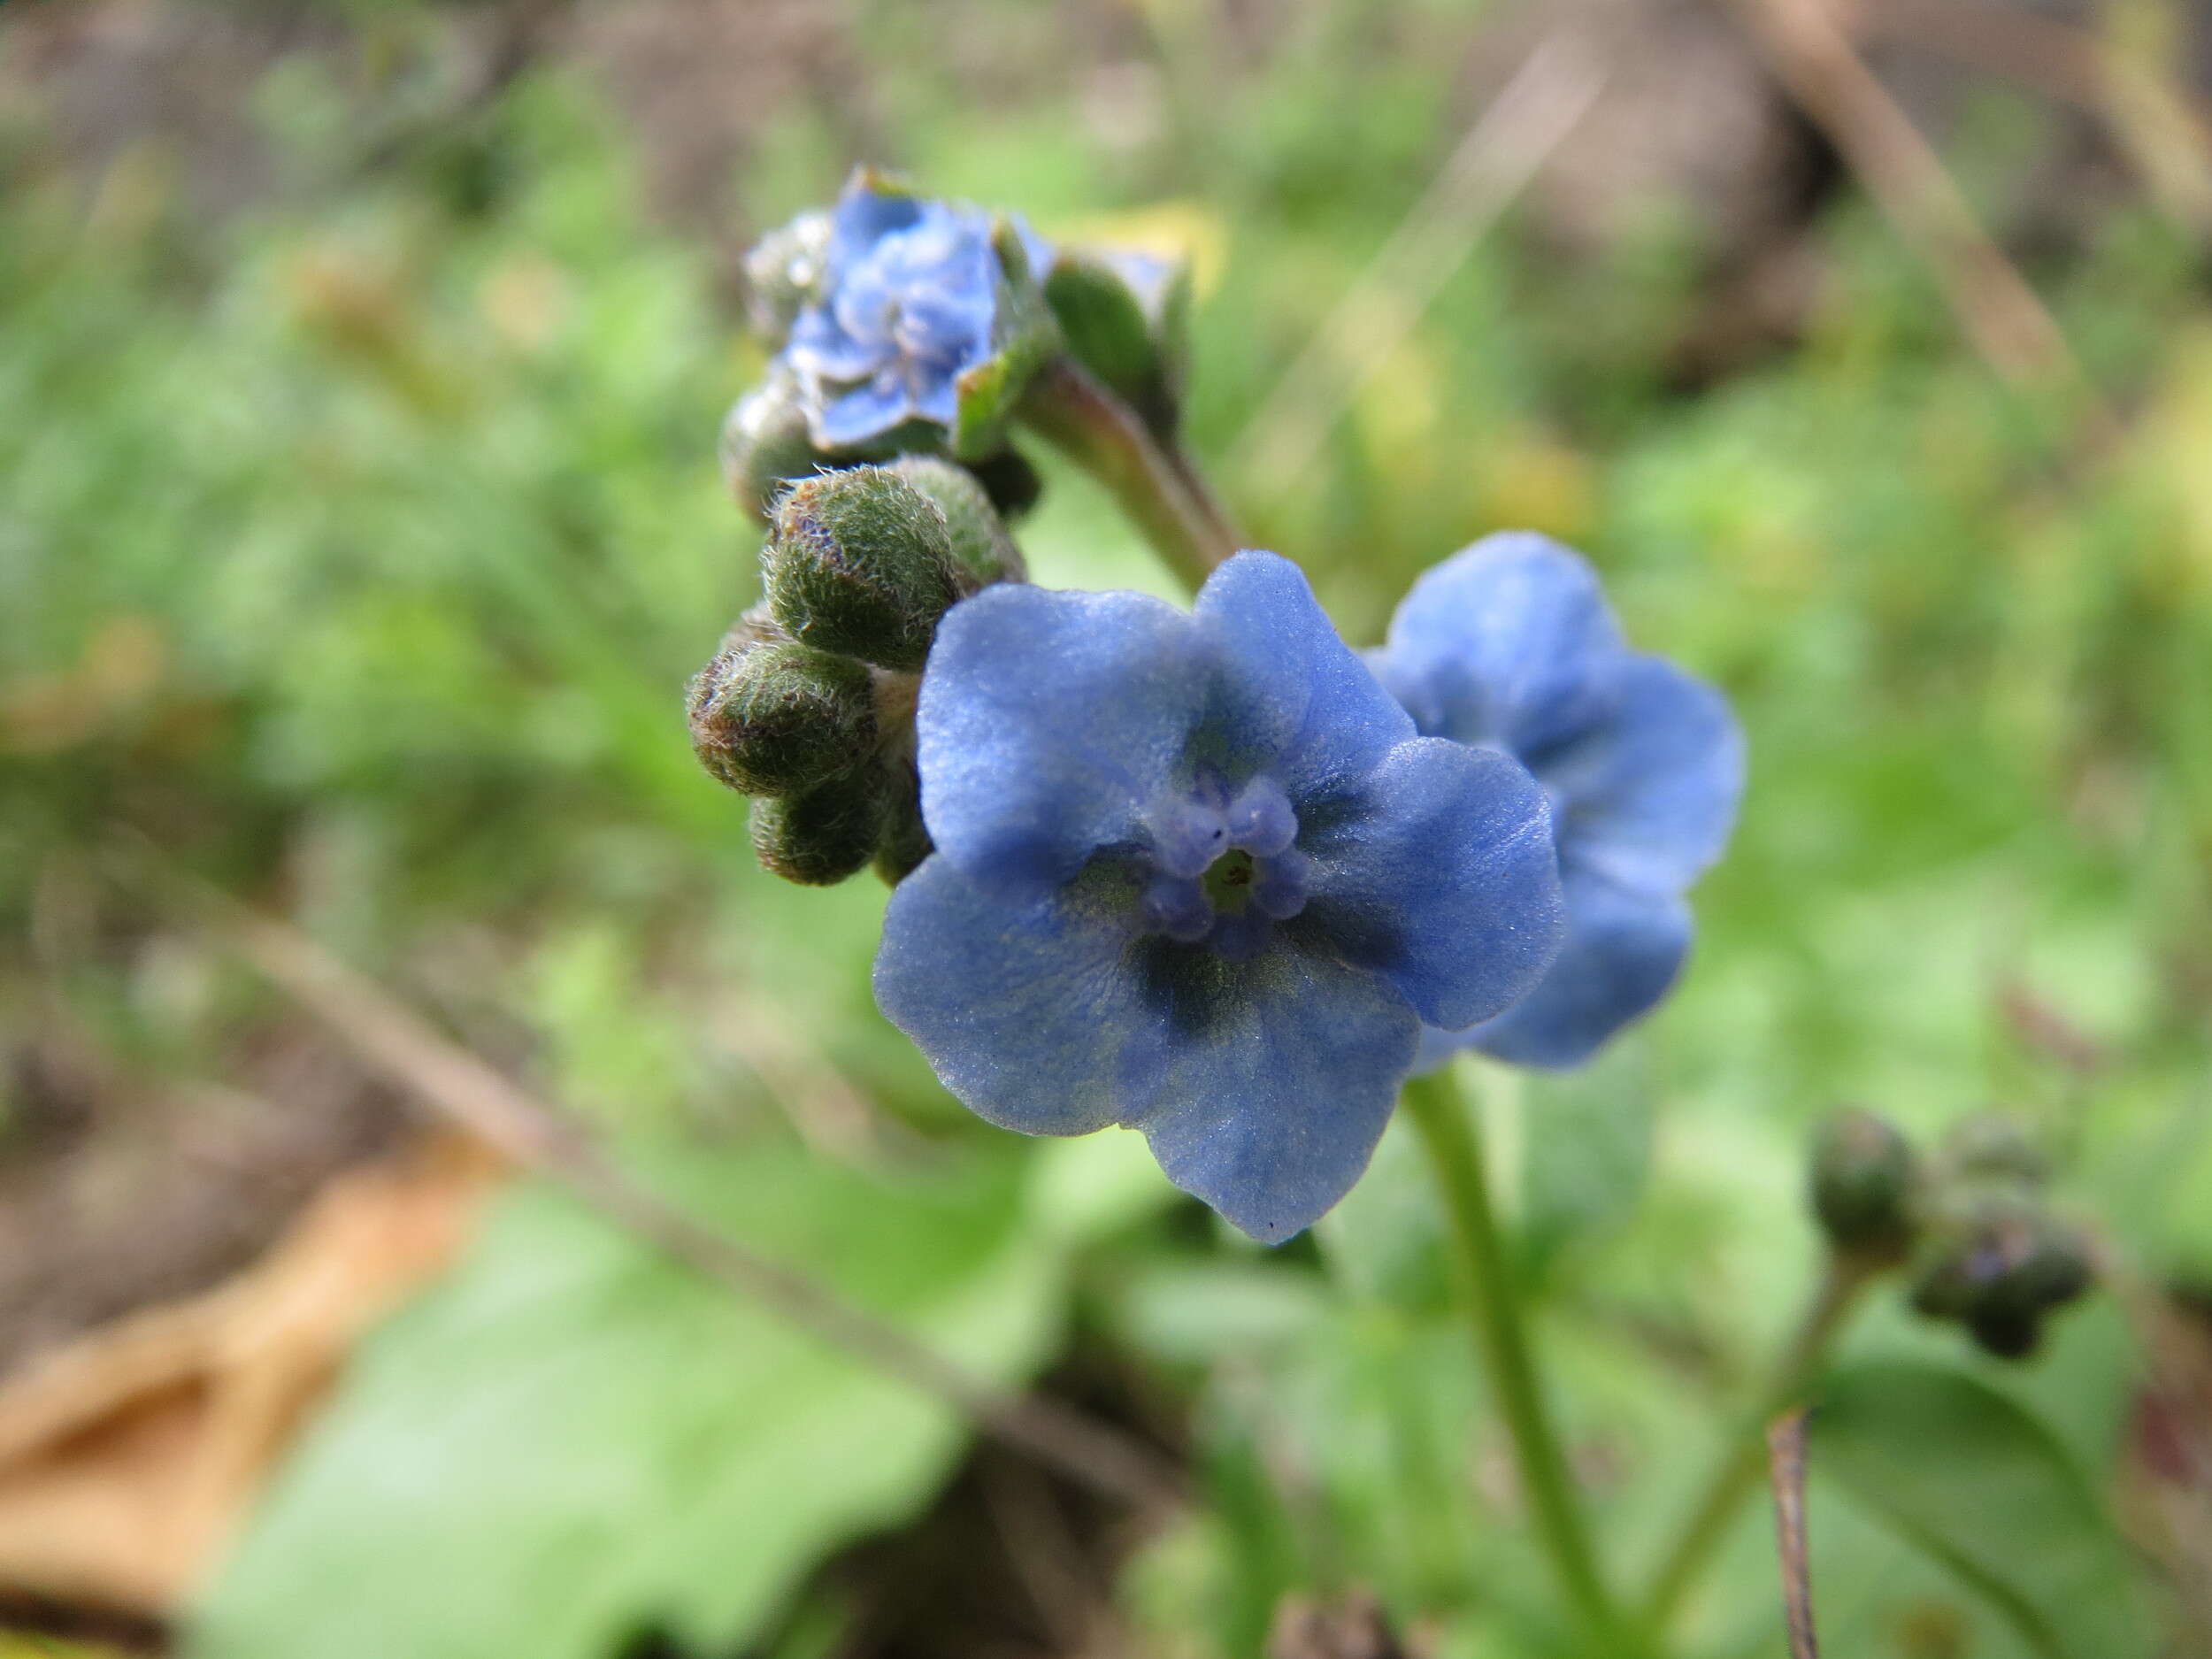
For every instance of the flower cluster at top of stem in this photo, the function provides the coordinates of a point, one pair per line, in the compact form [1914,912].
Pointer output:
[1211,875]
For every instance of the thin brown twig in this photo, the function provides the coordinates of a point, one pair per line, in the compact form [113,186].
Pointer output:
[544,1138]
[1785,1469]
[1527,121]
[2000,314]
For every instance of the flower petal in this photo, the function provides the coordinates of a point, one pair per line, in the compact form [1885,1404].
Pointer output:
[1442,879]
[1623,952]
[1648,795]
[1294,699]
[1508,642]
[1270,1105]
[1027,1010]
[820,349]
[863,216]
[1047,723]
[869,410]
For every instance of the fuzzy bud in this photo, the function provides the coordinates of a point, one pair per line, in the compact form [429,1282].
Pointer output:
[1864,1184]
[860,563]
[905,838]
[783,274]
[1125,316]
[980,545]
[765,444]
[775,717]
[826,834]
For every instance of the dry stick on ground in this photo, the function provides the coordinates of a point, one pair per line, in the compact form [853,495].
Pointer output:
[1785,1468]
[403,1046]
[1551,92]
[1999,312]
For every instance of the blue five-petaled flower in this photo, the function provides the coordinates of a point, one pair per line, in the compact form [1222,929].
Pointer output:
[910,299]
[1509,645]
[1197,874]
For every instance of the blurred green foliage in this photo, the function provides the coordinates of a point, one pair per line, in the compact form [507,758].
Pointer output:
[356,549]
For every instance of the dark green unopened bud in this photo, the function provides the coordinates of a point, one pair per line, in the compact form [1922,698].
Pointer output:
[2057,1270]
[826,834]
[783,274]
[2005,1333]
[1990,1147]
[1974,1251]
[860,563]
[765,444]
[905,841]
[1011,482]
[776,718]
[984,552]
[2000,1265]
[1865,1186]
[1126,315]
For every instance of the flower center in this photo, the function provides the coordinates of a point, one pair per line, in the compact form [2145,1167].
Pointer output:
[1224,868]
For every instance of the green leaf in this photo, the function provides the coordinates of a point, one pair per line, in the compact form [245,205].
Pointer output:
[573,1438]
[1588,1137]
[1965,1473]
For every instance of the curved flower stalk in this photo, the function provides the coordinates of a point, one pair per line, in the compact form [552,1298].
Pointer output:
[1198,875]
[1509,645]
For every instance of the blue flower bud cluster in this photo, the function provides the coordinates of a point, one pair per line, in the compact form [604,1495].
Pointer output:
[1212,875]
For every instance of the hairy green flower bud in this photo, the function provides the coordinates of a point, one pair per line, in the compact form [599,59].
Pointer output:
[860,563]
[826,834]
[1865,1186]
[1125,316]
[905,839]
[765,444]
[775,717]
[783,274]
[980,545]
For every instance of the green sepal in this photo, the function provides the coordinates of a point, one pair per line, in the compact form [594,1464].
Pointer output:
[765,443]
[830,832]
[981,547]
[1126,319]
[776,717]
[1024,338]
[860,563]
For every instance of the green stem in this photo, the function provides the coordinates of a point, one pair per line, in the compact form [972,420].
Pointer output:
[1155,486]
[1455,1149]
[1741,1470]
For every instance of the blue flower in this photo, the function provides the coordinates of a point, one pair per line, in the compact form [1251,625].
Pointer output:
[1509,645]
[909,299]
[1197,874]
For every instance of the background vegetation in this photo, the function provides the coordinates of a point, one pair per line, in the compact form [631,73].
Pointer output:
[359,524]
